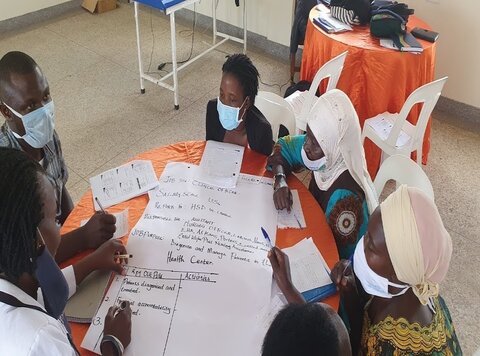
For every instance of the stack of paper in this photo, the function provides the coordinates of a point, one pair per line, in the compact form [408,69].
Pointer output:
[310,272]
[402,42]
[123,183]
[330,24]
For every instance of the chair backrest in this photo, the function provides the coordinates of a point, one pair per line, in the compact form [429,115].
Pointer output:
[404,171]
[332,70]
[427,94]
[276,113]
[277,99]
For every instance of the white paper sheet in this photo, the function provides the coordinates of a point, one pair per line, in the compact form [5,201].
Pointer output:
[200,276]
[269,312]
[221,163]
[293,219]
[383,123]
[123,183]
[323,8]
[307,266]
[121,224]
[297,101]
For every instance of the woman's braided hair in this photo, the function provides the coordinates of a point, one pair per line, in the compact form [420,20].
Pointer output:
[243,69]
[20,212]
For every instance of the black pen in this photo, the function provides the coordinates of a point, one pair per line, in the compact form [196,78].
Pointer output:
[100,205]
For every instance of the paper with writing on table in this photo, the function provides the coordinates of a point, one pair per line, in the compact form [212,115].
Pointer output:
[307,266]
[123,183]
[121,224]
[293,219]
[383,124]
[221,163]
[200,263]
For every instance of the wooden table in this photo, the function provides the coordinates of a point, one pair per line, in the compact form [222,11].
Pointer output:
[376,79]
[191,152]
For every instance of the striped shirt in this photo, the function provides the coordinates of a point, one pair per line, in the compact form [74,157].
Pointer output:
[52,161]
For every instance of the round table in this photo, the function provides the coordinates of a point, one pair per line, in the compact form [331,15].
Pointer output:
[376,79]
[191,152]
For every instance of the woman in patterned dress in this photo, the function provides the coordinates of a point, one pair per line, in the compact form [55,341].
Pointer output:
[392,292]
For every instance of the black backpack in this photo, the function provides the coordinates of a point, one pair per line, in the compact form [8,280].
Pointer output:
[384,6]
[389,18]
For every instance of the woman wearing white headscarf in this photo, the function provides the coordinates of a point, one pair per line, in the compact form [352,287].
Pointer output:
[399,264]
[333,151]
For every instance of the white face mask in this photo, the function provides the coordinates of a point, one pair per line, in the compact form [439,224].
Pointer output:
[39,125]
[313,165]
[372,283]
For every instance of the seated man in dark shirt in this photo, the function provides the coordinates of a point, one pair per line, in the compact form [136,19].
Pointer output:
[299,27]
[233,117]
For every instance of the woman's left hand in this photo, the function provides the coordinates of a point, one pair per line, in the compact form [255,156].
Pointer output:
[103,258]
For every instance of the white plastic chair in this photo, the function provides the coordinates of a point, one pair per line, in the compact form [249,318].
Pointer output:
[404,171]
[332,70]
[394,134]
[276,112]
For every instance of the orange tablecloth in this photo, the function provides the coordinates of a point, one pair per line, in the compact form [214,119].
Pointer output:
[375,78]
[191,152]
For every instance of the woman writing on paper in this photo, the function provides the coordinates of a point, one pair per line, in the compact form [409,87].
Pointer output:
[391,294]
[233,116]
[399,264]
[340,182]
[33,290]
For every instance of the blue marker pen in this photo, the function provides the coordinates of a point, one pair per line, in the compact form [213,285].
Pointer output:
[267,237]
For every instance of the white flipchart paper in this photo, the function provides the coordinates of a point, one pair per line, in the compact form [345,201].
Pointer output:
[200,275]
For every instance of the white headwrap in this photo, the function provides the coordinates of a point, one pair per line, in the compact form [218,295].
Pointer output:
[418,245]
[334,123]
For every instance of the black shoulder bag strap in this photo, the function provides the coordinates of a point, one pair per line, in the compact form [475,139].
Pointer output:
[14,302]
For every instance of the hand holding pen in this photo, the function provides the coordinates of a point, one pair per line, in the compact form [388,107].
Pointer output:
[343,277]
[99,229]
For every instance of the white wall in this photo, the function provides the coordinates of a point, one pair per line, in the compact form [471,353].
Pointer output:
[269,18]
[14,8]
[458,47]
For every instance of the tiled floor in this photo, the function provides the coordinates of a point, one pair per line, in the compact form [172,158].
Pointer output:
[91,63]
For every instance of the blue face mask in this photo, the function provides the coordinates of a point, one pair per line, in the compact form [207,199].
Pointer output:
[39,125]
[52,283]
[228,115]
